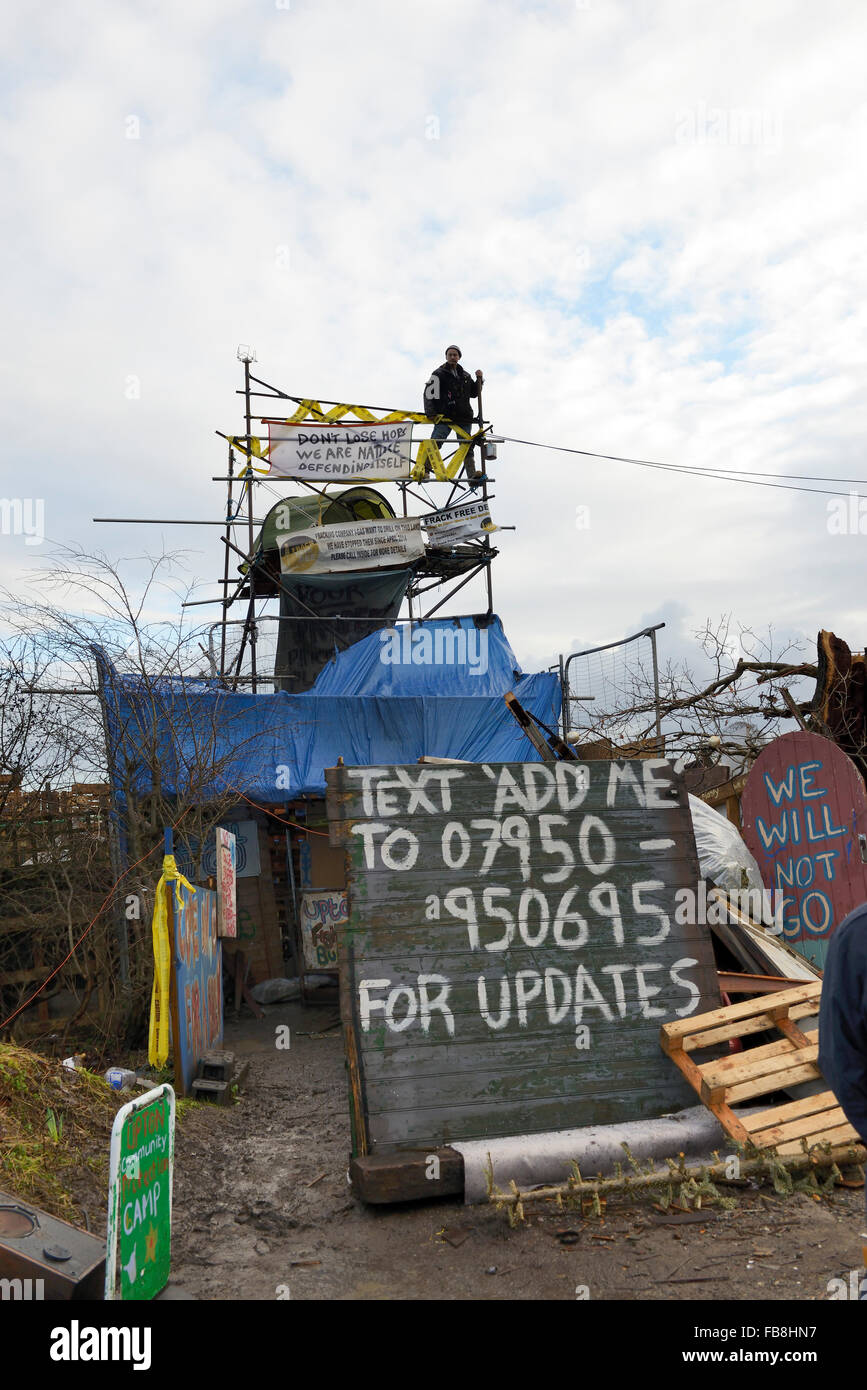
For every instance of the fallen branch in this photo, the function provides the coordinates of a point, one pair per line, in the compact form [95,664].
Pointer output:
[693,1182]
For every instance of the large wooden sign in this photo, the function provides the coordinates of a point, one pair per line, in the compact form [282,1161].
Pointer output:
[513,945]
[197,1006]
[804,812]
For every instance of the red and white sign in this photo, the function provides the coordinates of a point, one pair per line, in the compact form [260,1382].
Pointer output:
[227,913]
[804,811]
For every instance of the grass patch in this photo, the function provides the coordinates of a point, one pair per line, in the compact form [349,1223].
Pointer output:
[55,1128]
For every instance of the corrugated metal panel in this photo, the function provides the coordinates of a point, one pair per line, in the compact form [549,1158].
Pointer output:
[495,981]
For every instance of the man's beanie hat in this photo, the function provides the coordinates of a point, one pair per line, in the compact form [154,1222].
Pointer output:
[456,348]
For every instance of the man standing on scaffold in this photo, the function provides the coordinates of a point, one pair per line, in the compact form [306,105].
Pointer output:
[448,392]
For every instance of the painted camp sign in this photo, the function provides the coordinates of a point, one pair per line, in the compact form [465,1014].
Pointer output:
[804,808]
[139,1236]
[198,982]
[513,946]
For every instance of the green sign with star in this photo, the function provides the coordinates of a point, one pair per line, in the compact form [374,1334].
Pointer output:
[138,1256]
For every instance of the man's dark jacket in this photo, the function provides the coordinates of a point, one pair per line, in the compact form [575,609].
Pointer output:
[449,393]
[843,1018]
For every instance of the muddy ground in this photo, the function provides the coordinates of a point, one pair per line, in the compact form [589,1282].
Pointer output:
[263,1211]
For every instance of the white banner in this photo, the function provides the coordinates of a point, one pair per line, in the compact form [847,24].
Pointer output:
[340,453]
[351,545]
[454,523]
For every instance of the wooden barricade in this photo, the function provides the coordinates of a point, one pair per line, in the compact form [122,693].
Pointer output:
[743,1077]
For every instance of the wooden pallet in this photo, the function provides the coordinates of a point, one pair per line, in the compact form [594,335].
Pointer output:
[742,1077]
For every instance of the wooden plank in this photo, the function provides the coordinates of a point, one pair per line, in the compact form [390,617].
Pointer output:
[778,1114]
[762,1023]
[407,1176]
[456,792]
[744,1067]
[793,1075]
[817,1124]
[23,977]
[782,1047]
[839,1135]
[790,1030]
[527,723]
[690,1027]
[733,982]
[791,1128]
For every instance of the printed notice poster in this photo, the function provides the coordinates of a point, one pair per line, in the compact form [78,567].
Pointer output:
[352,545]
[457,523]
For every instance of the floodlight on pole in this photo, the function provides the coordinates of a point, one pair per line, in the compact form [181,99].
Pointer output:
[246,353]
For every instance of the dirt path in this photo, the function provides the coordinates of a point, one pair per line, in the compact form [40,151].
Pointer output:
[263,1211]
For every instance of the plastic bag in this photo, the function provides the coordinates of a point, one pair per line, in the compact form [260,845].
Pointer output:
[276,991]
[722,855]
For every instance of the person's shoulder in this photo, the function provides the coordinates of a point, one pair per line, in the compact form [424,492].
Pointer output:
[850,938]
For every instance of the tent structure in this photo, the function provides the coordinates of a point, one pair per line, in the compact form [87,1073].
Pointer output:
[320,509]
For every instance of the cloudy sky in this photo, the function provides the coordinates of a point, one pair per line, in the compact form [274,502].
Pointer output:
[644,221]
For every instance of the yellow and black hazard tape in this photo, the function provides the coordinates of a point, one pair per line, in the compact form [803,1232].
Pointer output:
[428,458]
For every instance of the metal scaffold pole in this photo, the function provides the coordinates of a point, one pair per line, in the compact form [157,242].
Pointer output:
[251,611]
[226,599]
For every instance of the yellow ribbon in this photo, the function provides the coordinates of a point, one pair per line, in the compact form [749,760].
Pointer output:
[428,457]
[158,1036]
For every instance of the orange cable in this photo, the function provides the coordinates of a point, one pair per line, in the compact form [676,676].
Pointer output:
[88,928]
[259,807]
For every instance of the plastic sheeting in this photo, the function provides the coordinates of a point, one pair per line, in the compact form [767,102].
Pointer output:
[723,856]
[534,1159]
[369,706]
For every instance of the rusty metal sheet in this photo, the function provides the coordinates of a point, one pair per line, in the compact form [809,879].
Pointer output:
[804,810]
[513,945]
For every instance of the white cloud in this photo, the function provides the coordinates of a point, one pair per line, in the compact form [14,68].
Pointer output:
[639,267]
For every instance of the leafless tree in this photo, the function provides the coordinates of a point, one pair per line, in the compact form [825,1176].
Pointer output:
[65,838]
[729,711]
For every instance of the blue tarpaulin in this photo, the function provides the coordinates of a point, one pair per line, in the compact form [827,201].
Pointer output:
[436,689]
